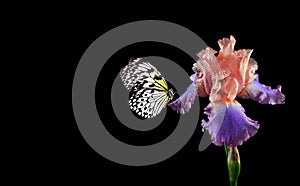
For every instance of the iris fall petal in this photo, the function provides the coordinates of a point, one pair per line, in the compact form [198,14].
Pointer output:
[227,123]
[185,101]
[262,93]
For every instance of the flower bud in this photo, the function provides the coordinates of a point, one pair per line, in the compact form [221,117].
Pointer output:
[234,165]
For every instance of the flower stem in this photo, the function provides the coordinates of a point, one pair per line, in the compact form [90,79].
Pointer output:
[233,164]
[233,183]
[226,149]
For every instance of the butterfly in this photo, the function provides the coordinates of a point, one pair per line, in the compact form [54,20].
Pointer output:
[149,91]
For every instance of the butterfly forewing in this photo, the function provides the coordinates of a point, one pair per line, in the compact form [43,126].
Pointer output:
[136,72]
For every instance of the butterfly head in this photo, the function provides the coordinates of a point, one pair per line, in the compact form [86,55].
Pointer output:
[171,93]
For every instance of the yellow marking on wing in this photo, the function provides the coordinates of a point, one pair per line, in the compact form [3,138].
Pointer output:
[161,84]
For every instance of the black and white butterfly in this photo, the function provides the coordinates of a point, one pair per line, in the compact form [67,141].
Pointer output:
[149,91]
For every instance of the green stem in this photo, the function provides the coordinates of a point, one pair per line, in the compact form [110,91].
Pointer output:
[233,164]
[226,149]
[233,183]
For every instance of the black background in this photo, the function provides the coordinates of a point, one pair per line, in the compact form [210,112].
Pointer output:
[266,157]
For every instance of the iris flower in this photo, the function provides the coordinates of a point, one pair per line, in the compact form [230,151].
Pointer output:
[222,78]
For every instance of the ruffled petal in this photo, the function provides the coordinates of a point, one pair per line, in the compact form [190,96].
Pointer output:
[228,123]
[226,46]
[198,79]
[262,93]
[185,101]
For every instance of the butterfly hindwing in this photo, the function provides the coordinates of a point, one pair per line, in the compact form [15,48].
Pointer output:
[147,102]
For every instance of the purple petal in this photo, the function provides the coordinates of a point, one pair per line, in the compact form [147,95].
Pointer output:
[262,93]
[228,123]
[185,101]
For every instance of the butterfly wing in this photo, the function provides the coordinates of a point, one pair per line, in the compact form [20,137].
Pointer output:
[146,100]
[149,90]
[136,72]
